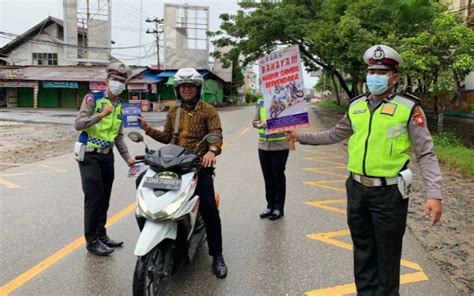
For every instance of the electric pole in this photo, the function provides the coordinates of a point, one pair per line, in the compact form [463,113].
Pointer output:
[159,28]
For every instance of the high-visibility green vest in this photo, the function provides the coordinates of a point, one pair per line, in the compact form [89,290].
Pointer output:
[380,141]
[261,131]
[103,133]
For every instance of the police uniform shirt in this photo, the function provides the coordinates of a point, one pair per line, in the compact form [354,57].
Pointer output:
[86,119]
[420,138]
[268,145]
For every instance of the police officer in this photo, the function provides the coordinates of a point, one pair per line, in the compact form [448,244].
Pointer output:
[100,123]
[382,126]
[186,125]
[273,153]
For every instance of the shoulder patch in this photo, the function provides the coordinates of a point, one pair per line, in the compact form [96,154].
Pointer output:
[419,117]
[88,98]
[358,97]
[410,97]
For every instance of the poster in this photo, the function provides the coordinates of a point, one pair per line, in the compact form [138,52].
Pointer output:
[281,77]
[131,114]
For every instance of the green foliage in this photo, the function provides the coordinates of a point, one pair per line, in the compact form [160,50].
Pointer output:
[446,49]
[331,34]
[331,105]
[450,151]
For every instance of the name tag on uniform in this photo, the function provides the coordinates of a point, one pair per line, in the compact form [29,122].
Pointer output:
[359,111]
[389,109]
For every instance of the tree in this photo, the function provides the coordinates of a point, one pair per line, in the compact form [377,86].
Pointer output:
[331,34]
[438,60]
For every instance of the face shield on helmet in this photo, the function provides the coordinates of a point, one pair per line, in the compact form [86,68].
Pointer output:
[189,76]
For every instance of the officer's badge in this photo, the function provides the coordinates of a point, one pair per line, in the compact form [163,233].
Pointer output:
[389,109]
[379,54]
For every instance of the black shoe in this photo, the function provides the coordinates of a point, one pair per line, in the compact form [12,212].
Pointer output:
[110,242]
[97,247]
[219,267]
[276,214]
[265,213]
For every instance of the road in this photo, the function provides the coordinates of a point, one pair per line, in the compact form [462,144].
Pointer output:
[42,251]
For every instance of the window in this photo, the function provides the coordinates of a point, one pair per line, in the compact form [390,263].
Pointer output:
[46,59]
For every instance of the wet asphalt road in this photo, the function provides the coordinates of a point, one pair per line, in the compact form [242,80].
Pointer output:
[307,251]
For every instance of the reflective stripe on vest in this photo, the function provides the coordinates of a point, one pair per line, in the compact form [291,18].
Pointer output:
[103,133]
[261,131]
[380,141]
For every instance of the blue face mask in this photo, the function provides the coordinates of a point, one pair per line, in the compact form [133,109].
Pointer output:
[377,84]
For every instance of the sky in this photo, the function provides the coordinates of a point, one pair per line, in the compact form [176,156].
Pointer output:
[17,16]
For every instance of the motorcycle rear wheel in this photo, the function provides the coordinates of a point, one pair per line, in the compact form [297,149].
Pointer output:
[150,277]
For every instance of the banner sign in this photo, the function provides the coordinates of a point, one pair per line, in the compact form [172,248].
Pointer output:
[131,113]
[97,85]
[17,84]
[281,76]
[59,84]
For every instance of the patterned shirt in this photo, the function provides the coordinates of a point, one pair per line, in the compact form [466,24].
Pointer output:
[194,125]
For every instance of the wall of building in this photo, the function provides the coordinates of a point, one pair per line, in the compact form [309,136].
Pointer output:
[23,55]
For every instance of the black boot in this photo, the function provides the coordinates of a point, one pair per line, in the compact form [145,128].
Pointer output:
[97,247]
[219,267]
[110,242]
[276,214]
[265,213]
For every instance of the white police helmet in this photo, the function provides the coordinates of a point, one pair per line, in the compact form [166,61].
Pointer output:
[189,76]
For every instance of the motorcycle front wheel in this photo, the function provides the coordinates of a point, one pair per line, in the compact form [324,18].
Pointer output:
[150,276]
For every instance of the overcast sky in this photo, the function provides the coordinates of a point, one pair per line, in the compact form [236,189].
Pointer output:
[17,16]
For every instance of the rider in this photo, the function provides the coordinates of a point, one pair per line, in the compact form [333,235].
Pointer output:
[196,119]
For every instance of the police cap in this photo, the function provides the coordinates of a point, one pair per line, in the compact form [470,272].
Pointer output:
[119,71]
[382,57]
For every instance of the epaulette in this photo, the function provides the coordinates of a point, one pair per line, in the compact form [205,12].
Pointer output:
[410,97]
[358,97]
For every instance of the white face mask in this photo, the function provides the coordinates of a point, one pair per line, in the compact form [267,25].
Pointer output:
[116,87]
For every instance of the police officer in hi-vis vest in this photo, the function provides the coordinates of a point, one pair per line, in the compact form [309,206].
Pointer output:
[273,154]
[100,123]
[382,126]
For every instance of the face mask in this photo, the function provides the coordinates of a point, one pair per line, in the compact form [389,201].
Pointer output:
[377,84]
[116,87]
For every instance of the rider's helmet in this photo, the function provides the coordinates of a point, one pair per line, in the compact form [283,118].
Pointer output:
[190,76]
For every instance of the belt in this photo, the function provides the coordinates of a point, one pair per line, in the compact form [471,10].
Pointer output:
[374,182]
[104,150]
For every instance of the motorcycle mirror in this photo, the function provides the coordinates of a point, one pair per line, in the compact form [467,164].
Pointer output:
[135,137]
[212,138]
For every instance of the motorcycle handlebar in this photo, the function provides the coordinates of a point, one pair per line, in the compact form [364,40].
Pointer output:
[140,157]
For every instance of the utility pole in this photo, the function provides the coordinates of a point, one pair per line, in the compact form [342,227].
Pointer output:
[159,28]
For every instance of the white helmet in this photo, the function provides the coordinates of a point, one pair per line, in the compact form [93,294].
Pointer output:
[190,76]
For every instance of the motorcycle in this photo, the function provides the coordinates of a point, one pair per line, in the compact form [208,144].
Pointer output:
[174,229]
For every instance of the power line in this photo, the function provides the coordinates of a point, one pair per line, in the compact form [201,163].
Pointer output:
[53,43]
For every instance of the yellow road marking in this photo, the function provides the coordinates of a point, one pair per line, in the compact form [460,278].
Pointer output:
[17,174]
[225,144]
[244,131]
[48,262]
[318,159]
[328,237]
[52,168]
[323,171]
[321,184]
[61,161]
[9,184]
[323,204]
[9,164]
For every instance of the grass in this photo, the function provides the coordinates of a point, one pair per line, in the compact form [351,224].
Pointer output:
[331,105]
[451,152]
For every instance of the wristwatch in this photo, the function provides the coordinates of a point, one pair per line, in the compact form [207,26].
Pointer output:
[214,149]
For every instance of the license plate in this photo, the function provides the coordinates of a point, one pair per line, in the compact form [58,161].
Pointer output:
[164,181]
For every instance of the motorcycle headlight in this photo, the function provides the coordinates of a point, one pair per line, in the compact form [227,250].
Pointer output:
[174,207]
